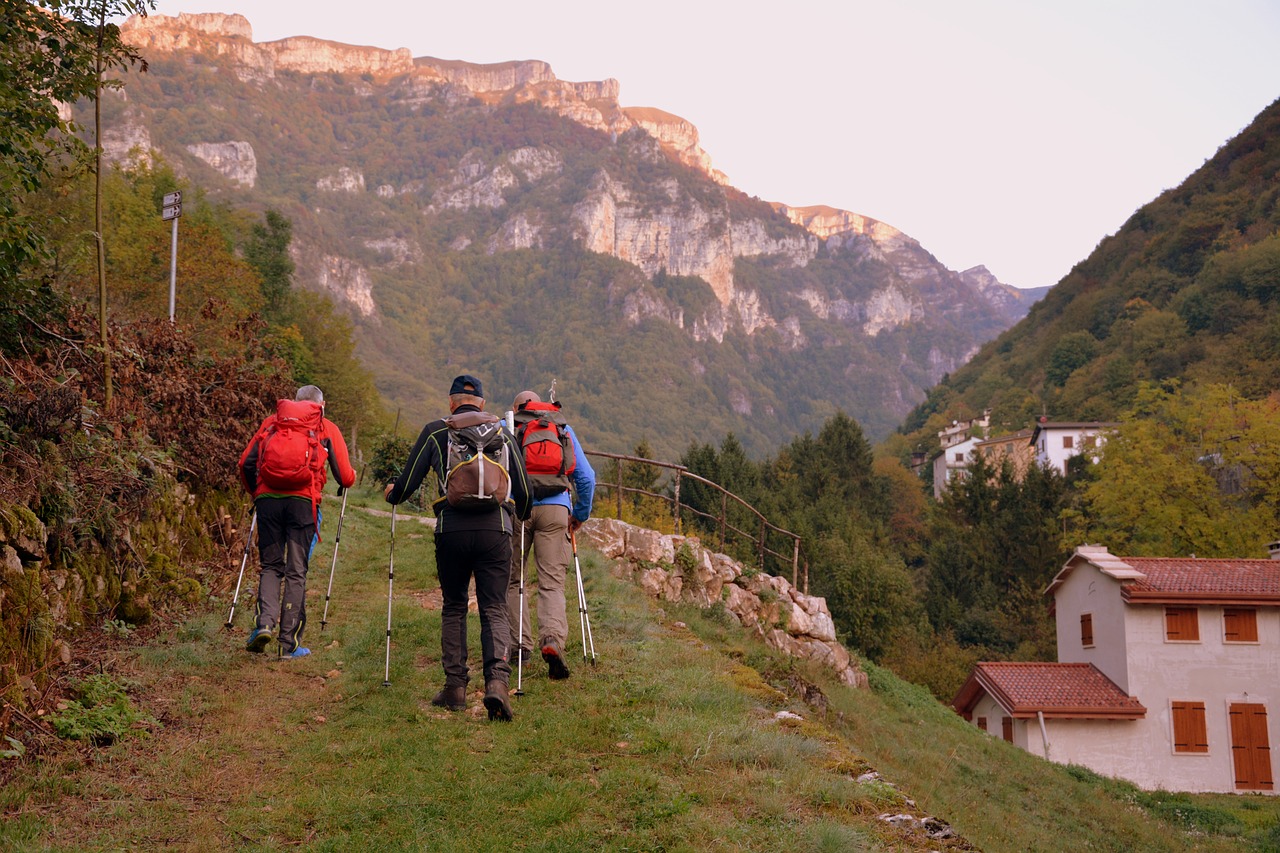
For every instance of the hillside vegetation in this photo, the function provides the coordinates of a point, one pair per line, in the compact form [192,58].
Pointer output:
[1185,292]
[674,740]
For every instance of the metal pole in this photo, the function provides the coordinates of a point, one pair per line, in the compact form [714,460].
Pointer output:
[520,621]
[173,270]
[248,541]
[391,577]
[337,540]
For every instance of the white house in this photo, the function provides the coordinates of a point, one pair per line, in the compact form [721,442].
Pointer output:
[1056,442]
[957,442]
[1168,673]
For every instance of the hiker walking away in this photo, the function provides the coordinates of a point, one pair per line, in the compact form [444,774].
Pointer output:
[555,462]
[284,469]
[481,480]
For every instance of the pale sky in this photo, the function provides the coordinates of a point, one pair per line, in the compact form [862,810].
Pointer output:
[1010,133]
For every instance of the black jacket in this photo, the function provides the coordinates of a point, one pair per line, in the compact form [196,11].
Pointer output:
[430,453]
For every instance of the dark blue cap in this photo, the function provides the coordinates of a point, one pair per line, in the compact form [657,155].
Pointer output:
[466,384]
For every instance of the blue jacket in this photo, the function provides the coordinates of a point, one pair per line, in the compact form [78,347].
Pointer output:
[584,484]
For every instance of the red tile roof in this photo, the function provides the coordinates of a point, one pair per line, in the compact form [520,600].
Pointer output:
[1205,581]
[1062,690]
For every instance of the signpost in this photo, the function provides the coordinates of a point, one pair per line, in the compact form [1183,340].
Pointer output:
[172,210]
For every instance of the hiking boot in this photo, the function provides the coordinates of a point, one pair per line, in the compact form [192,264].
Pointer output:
[299,652]
[495,700]
[556,668]
[525,654]
[259,640]
[453,698]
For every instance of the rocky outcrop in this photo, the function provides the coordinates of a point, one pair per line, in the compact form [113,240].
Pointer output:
[347,180]
[235,160]
[593,103]
[679,568]
[348,281]
[682,238]
[127,144]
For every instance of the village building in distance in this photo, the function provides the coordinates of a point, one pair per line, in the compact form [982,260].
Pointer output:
[1168,673]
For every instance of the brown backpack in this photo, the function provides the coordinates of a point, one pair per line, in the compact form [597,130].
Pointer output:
[476,477]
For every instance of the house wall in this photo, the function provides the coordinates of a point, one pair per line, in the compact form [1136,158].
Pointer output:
[1049,449]
[990,708]
[1086,590]
[1211,671]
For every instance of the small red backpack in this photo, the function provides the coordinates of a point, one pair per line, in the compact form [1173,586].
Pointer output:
[543,436]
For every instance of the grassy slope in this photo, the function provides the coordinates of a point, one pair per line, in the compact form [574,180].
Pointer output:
[668,743]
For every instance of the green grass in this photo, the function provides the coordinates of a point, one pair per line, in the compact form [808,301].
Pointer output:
[669,742]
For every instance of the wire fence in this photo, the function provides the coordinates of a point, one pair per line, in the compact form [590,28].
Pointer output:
[665,481]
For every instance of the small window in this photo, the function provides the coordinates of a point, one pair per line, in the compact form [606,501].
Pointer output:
[1006,728]
[982,723]
[1090,442]
[1068,442]
[1189,732]
[959,457]
[1240,624]
[1182,624]
[1086,630]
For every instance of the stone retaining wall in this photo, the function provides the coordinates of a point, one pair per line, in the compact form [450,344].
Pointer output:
[679,568]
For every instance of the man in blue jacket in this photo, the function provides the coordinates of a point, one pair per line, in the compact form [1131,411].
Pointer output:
[557,513]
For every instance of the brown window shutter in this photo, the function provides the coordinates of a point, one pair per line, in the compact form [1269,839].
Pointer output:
[1182,623]
[1189,731]
[1006,728]
[1240,625]
[1068,442]
[982,723]
[1086,629]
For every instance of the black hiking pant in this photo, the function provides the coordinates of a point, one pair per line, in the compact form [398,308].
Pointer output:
[286,535]
[486,556]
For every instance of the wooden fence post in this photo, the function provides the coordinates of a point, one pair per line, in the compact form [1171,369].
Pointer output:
[795,564]
[677,502]
[764,531]
[617,467]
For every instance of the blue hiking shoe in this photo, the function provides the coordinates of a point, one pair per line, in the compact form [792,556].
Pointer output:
[259,640]
[299,652]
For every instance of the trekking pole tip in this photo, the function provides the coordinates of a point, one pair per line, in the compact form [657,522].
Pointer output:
[386,684]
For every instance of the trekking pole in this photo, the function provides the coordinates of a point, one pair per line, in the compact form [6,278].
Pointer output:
[584,618]
[520,622]
[337,540]
[391,577]
[248,542]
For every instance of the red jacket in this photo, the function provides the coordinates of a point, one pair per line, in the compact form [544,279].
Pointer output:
[329,436]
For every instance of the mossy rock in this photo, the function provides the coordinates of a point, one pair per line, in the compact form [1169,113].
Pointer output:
[21,529]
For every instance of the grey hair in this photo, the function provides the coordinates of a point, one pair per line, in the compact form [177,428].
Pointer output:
[310,392]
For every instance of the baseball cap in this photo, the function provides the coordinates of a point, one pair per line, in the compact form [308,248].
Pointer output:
[466,384]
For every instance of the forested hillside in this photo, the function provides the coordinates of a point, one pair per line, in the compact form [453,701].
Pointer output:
[1186,291]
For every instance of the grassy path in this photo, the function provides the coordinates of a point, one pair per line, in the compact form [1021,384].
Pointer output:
[670,742]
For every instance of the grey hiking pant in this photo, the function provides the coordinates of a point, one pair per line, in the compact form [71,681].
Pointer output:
[546,533]
[486,555]
[286,535]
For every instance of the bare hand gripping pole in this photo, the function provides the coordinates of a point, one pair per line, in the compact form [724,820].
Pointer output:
[391,577]
[337,540]
[248,543]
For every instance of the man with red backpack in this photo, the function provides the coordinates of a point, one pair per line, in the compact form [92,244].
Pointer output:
[555,463]
[284,469]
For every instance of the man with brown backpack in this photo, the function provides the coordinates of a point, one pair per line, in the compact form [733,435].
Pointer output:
[283,467]
[481,480]
[555,463]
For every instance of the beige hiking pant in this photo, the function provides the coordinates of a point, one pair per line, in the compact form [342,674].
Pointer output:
[546,533]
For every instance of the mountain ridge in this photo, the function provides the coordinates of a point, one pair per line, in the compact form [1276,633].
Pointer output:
[395,168]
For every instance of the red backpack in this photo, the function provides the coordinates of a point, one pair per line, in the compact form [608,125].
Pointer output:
[291,457]
[543,436]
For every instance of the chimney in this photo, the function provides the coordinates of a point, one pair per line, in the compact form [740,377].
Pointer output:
[1273,548]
